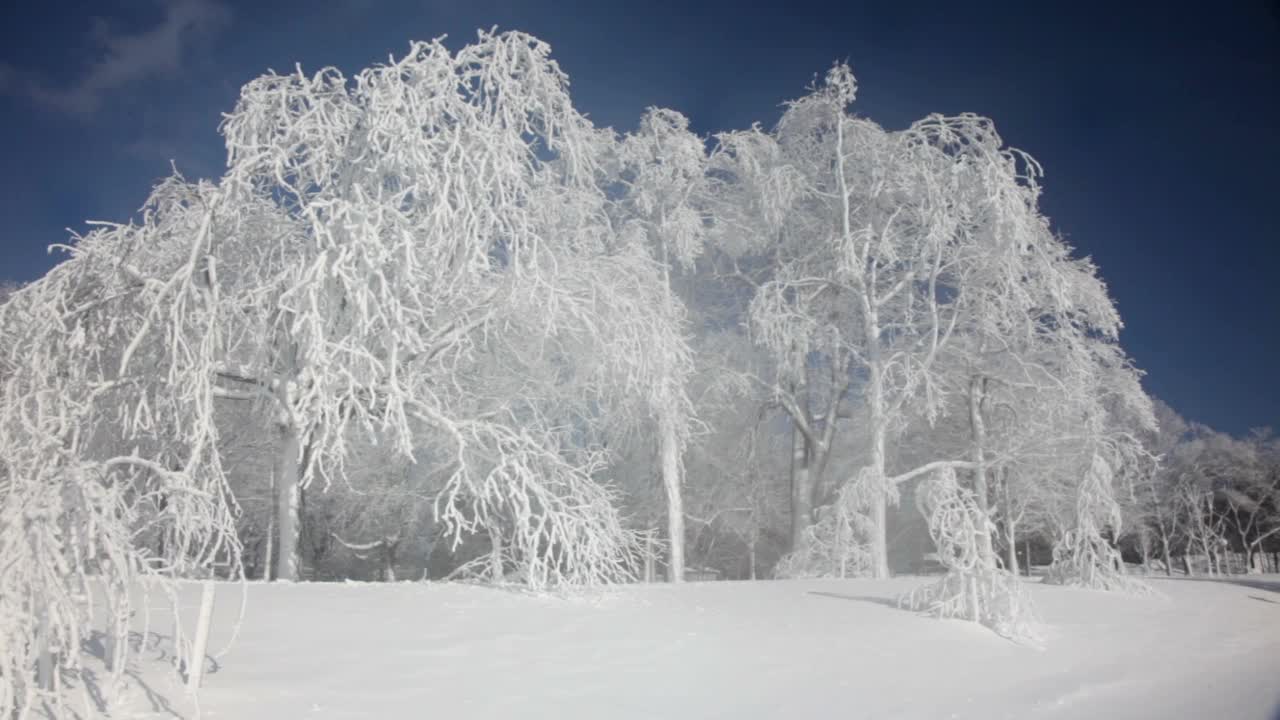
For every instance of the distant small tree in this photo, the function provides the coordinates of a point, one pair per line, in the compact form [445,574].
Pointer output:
[973,588]
[1155,505]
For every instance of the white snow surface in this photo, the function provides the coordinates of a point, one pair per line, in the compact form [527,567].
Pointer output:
[781,649]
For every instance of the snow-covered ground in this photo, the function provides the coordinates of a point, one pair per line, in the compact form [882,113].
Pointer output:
[799,649]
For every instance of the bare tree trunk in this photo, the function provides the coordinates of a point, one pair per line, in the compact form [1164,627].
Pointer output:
[1202,536]
[44,656]
[1252,564]
[1186,565]
[978,431]
[823,488]
[1026,555]
[195,662]
[801,487]
[1210,551]
[268,552]
[675,503]
[288,503]
[389,546]
[751,560]
[649,572]
[1010,522]
[1011,549]
[842,545]
[879,494]
[879,539]
[879,535]
[670,452]
[115,633]
[111,642]
[1161,527]
[496,573]
[1164,547]
[160,544]
[1144,540]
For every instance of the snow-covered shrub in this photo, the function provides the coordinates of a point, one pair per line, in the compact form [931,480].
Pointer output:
[1083,556]
[974,588]
[836,546]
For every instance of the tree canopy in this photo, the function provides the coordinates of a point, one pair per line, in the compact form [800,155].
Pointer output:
[432,318]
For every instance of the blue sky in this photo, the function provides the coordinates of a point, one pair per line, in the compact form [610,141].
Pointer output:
[1158,129]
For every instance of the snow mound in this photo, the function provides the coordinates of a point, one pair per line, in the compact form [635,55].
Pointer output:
[814,648]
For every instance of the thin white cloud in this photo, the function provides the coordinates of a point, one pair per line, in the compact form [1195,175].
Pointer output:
[126,58]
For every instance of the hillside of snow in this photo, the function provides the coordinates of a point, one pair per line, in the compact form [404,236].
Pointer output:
[802,649]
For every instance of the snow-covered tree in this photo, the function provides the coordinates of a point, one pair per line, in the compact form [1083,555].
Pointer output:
[107,432]
[1154,507]
[813,359]
[381,249]
[436,289]
[1016,359]
[1252,497]
[1107,408]
[974,588]
[737,465]
[661,168]
[434,203]
[876,262]
[1222,493]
